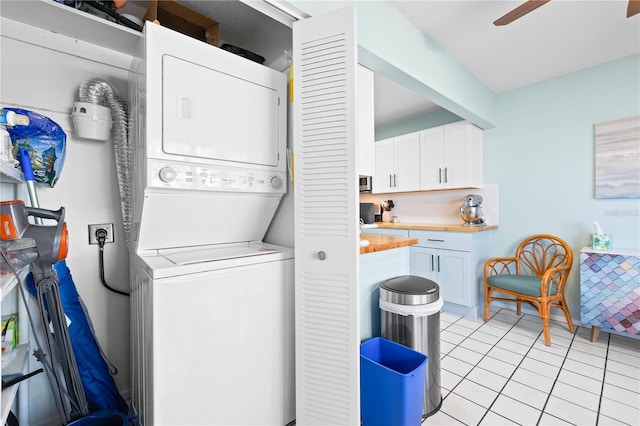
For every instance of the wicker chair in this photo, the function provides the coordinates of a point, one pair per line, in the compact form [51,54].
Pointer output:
[537,275]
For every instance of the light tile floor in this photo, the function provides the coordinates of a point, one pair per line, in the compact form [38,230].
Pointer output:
[501,373]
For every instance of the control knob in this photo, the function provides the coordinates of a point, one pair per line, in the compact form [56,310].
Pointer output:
[167,174]
[276,182]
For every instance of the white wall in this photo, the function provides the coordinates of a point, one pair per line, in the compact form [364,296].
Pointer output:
[41,71]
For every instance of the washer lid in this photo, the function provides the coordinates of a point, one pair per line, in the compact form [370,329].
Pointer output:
[218,253]
[409,290]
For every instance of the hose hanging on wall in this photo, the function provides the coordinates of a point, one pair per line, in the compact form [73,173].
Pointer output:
[100,92]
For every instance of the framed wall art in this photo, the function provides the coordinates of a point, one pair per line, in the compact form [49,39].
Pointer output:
[617,158]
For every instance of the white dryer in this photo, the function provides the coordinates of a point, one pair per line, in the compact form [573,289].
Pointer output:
[212,305]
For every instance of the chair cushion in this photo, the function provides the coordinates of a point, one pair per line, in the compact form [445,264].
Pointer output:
[524,284]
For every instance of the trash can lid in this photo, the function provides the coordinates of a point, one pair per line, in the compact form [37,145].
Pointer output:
[409,290]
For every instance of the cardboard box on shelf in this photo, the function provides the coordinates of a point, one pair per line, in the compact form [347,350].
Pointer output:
[171,14]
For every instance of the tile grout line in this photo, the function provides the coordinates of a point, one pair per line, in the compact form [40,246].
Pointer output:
[604,376]
[475,365]
[514,371]
[556,381]
[509,379]
[485,355]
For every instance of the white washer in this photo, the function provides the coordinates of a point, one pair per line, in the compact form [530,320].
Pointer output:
[211,306]
[224,362]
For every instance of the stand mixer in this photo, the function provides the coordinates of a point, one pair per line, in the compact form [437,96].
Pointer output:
[470,211]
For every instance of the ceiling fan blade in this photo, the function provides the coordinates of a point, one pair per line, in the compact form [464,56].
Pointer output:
[523,9]
[633,8]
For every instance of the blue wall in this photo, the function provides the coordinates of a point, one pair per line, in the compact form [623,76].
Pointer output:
[541,155]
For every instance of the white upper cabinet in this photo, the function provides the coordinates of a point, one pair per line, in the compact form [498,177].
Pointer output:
[407,151]
[451,157]
[432,144]
[364,105]
[397,164]
[384,166]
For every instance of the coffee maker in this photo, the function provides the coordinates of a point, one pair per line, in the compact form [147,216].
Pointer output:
[471,212]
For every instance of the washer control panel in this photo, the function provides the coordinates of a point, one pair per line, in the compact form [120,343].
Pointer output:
[163,174]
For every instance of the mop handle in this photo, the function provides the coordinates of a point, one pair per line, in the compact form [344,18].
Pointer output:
[30,180]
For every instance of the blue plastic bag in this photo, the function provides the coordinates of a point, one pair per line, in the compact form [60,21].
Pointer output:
[45,140]
[99,387]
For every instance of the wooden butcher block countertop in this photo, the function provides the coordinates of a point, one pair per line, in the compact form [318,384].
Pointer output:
[385,242]
[436,227]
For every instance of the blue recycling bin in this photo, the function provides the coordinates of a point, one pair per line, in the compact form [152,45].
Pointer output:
[392,381]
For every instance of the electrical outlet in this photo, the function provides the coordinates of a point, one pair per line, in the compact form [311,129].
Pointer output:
[93,229]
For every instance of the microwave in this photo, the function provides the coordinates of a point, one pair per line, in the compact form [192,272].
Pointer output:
[365,183]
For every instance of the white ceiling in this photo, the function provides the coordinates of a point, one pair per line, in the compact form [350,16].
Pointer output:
[560,37]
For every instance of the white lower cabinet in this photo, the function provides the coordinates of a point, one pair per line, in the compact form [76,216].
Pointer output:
[450,269]
[454,261]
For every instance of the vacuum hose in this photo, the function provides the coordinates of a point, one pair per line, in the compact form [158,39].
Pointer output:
[100,92]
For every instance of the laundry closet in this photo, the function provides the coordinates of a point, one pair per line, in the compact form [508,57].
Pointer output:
[48,50]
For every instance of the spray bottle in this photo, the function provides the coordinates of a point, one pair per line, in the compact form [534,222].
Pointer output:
[9,118]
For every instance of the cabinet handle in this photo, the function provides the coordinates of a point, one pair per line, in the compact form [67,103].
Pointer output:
[437,241]
[395,180]
[390,181]
[438,263]
[322,255]
[439,174]
[446,175]
[432,269]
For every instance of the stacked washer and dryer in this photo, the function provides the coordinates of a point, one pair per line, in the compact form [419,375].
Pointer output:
[212,304]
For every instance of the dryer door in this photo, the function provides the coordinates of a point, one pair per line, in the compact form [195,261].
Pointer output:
[212,115]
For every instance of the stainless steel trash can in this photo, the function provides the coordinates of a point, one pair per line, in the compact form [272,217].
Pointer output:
[410,315]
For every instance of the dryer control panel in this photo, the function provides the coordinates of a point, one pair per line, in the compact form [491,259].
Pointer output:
[163,174]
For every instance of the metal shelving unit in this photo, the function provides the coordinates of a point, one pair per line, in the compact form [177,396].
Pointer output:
[17,364]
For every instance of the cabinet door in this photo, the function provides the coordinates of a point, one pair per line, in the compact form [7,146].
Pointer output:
[407,150]
[453,277]
[365,122]
[447,268]
[422,262]
[326,220]
[456,156]
[462,155]
[384,167]
[451,156]
[431,141]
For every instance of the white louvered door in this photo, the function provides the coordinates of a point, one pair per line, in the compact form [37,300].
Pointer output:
[326,220]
